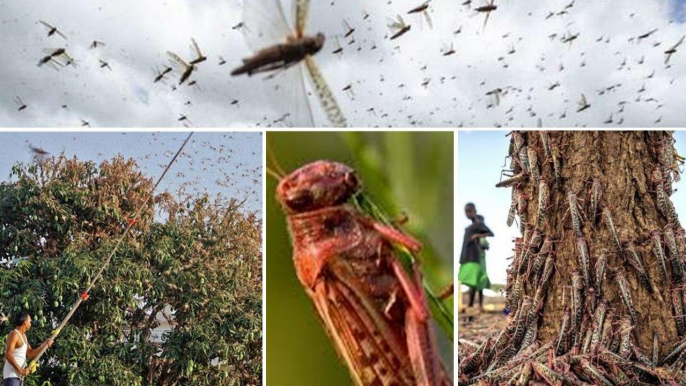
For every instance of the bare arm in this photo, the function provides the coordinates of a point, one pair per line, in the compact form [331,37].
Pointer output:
[483,231]
[12,340]
[32,352]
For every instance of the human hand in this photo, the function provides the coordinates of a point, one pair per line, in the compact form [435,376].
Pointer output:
[49,342]
[473,237]
[25,372]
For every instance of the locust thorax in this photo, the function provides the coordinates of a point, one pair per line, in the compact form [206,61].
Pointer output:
[317,185]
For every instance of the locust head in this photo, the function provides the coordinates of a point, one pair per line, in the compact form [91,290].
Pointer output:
[317,185]
[314,43]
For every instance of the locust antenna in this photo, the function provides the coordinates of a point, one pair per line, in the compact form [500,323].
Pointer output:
[275,169]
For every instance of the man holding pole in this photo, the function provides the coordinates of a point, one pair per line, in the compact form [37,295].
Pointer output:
[18,351]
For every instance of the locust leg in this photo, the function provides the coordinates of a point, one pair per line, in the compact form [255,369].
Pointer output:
[446,292]
[420,345]
[421,342]
[395,236]
[413,290]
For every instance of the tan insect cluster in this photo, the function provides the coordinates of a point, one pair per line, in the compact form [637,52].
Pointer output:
[599,330]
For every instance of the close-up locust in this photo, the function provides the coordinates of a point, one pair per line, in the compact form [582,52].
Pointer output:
[363,274]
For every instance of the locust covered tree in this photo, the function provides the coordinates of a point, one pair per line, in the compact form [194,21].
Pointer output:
[596,286]
[189,263]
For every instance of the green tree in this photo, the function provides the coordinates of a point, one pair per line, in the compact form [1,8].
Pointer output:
[190,263]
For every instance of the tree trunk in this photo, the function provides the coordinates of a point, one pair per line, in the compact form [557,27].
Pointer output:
[589,304]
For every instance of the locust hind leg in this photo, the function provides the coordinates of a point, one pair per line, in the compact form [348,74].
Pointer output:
[413,289]
[421,342]
[395,236]
[421,346]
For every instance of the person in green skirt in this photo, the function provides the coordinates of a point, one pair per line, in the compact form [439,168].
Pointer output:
[473,257]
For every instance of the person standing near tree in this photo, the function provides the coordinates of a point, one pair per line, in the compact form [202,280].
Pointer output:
[473,257]
[18,351]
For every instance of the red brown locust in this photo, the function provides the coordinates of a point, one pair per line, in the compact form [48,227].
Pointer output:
[373,308]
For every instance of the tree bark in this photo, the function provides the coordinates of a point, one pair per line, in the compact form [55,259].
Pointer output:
[600,306]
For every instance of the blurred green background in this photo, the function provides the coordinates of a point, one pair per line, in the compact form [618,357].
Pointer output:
[404,173]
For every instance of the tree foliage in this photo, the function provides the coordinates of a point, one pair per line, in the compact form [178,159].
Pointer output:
[190,262]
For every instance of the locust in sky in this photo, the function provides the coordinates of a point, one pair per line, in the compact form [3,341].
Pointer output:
[38,153]
[672,50]
[487,8]
[348,29]
[448,50]
[52,29]
[278,47]
[569,38]
[52,56]
[20,103]
[583,104]
[339,49]
[159,74]
[398,27]
[187,67]
[423,10]
[96,43]
[374,310]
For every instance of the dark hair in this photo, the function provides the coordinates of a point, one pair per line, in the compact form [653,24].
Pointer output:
[21,318]
[471,204]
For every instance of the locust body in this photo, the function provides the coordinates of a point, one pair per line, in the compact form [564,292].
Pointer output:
[595,198]
[373,309]
[656,239]
[513,209]
[575,213]
[543,202]
[281,55]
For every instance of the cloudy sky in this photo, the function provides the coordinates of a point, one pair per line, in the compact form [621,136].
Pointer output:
[479,165]
[404,82]
[226,164]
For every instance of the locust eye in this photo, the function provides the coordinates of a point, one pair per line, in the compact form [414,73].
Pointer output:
[351,180]
[301,200]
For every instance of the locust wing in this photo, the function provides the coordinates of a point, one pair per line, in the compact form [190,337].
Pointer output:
[266,23]
[176,59]
[326,98]
[363,336]
[428,19]
[396,25]
[289,98]
[302,10]
[46,25]
[196,49]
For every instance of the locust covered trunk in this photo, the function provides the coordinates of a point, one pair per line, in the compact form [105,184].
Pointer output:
[595,289]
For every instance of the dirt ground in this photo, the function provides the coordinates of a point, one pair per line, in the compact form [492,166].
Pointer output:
[477,326]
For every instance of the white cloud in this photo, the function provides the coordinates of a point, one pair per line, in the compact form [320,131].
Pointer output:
[388,79]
